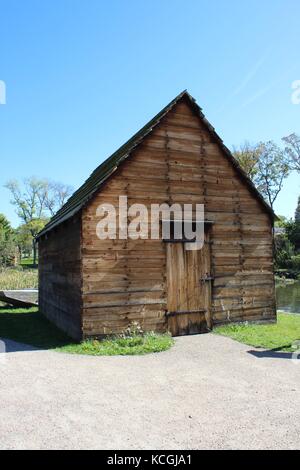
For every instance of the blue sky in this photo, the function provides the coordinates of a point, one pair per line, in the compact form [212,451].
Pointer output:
[83,76]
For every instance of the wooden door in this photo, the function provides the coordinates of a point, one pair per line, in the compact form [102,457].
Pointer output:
[189,288]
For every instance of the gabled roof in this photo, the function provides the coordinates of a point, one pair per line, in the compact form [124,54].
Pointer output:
[80,197]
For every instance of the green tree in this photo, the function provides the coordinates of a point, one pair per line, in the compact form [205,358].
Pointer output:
[23,240]
[7,242]
[56,196]
[292,150]
[272,169]
[35,201]
[297,211]
[293,233]
[267,165]
[284,250]
[247,156]
[287,244]
[281,222]
[29,201]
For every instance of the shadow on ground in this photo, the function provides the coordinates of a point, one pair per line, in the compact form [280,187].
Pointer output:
[275,353]
[8,346]
[28,327]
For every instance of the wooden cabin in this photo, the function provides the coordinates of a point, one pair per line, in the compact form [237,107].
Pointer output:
[92,287]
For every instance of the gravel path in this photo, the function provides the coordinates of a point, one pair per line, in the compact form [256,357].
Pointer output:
[206,392]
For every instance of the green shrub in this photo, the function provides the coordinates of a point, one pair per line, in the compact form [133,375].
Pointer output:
[295,263]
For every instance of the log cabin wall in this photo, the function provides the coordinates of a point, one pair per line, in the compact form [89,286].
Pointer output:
[60,276]
[125,280]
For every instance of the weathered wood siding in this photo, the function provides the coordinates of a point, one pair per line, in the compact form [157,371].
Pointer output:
[125,280]
[60,277]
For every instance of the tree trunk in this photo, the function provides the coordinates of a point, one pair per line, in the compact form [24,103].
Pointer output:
[34,252]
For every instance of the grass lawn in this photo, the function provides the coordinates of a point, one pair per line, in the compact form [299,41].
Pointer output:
[278,336]
[30,327]
[27,263]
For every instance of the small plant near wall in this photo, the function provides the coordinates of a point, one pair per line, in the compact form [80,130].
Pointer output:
[132,341]
[134,329]
[28,326]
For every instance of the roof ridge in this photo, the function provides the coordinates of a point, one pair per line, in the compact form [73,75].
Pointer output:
[84,193]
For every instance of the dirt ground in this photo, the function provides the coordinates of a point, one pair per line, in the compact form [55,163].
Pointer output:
[207,392]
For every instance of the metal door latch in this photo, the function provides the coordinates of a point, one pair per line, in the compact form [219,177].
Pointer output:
[206,278]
